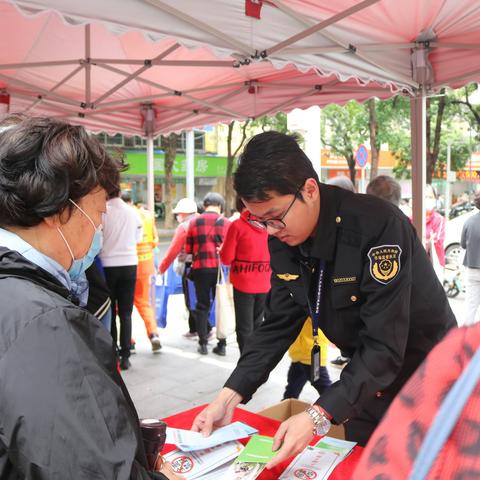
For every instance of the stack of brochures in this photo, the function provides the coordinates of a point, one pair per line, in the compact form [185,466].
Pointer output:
[201,464]
[199,457]
[318,461]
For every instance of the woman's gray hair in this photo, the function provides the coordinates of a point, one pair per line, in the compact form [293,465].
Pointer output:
[385,187]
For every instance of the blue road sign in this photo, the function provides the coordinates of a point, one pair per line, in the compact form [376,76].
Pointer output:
[361,156]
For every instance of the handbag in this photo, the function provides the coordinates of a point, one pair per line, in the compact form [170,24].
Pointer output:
[224,306]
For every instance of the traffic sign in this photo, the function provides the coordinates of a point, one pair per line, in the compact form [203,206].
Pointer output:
[361,156]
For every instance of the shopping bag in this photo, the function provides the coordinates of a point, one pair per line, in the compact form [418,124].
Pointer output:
[224,306]
[165,285]
[161,299]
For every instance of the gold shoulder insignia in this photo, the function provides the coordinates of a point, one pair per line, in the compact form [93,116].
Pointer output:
[287,276]
[385,262]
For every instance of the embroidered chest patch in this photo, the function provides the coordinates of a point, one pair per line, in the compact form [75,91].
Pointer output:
[385,262]
[287,276]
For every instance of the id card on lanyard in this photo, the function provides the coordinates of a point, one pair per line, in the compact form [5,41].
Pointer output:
[315,315]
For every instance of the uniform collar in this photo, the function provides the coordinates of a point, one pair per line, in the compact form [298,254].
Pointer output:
[324,241]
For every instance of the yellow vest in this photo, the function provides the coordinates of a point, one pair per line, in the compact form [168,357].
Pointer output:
[300,350]
[149,239]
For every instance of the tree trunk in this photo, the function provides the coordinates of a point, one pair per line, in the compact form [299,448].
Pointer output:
[231,156]
[170,147]
[374,147]
[229,173]
[434,148]
[351,167]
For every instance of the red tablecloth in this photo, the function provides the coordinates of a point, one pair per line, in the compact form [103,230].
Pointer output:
[265,426]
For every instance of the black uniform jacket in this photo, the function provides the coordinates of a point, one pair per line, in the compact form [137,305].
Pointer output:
[65,412]
[382,302]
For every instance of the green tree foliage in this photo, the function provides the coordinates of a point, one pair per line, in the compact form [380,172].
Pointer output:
[343,129]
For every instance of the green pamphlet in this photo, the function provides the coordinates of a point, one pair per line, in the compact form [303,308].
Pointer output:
[257,450]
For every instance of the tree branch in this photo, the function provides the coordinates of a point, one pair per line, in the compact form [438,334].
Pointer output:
[244,137]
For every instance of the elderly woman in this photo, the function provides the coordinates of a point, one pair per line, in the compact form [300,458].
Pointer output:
[64,409]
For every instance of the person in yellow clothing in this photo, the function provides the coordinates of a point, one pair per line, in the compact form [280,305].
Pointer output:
[299,372]
[145,271]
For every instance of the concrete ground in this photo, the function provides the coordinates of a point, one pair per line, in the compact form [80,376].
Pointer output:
[178,378]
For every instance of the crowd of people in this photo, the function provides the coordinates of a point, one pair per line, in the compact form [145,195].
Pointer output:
[311,264]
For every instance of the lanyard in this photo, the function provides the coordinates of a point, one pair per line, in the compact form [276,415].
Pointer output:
[315,312]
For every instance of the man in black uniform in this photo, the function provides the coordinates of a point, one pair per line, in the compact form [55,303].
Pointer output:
[355,265]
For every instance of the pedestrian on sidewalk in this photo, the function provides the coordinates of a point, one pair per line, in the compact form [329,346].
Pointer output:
[185,210]
[470,241]
[145,284]
[122,230]
[204,237]
[245,249]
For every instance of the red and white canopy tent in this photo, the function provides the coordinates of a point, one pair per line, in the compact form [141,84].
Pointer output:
[152,66]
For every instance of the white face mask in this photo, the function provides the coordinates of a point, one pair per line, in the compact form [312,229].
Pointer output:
[430,204]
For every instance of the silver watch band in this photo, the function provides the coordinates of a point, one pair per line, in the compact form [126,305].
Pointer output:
[321,423]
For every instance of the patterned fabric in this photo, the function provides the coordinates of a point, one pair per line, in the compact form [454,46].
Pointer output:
[205,234]
[392,450]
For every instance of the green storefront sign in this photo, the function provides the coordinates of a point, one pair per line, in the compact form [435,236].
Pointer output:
[205,166]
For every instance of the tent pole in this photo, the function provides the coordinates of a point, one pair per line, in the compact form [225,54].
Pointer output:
[34,88]
[320,26]
[58,85]
[135,74]
[243,48]
[150,175]
[88,67]
[190,155]
[167,63]
[419,159]
[396,76]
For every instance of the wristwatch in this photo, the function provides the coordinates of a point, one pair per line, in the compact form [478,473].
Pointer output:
[321,424]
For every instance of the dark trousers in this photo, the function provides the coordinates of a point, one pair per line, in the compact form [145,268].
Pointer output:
[205,281]
[299,375]
[192,328]
[248,314]
[121,282]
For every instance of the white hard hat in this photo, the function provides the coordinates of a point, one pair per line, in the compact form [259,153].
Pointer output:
[185,205]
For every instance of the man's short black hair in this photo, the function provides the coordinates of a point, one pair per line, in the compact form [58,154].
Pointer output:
[214,199]
[44,163]
[126,197]
[272,162]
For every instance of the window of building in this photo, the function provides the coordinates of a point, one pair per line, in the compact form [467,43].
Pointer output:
[199,142]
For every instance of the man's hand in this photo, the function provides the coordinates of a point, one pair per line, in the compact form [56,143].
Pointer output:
[218,413]
[292,436]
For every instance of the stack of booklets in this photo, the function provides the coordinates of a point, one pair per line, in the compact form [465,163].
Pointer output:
[318,461]
[217,463]
[199,457]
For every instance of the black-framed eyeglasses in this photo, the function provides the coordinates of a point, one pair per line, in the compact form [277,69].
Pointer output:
[275,223]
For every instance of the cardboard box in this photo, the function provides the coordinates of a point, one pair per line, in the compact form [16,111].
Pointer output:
[287,408]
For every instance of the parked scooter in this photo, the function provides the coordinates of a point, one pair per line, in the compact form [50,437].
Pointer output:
[453,283]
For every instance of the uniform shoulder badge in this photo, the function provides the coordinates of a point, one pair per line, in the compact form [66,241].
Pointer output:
[384,262]
[287,276]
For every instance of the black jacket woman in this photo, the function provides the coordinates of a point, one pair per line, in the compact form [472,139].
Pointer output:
[64,409]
